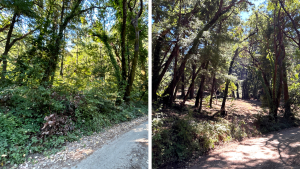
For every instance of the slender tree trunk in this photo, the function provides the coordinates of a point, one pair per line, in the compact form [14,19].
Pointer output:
[182,85]
[227,82]
[200,91]
[123,36]
[287,104]
[224,98]
[173,95]
[62,62]
[192,84]
[7,48]
[212,90]
[216,97]
[276,100]
[175,92]
[237,90]
[133,68]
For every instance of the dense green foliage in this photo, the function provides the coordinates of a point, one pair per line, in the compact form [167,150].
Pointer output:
[63,74]
[186,138]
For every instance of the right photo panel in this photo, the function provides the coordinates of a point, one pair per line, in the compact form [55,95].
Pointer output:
[225,84]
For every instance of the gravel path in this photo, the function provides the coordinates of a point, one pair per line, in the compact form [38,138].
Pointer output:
[74,152]
[276,150]
[130,151]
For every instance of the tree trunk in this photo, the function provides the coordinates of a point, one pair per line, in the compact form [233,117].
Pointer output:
[192,84]
[123,36]
[52,62]
[200,91]
[156,79]
[287,104]
[62,62]
[236,53]
[182,85]
[7,48]
[212,90]
[169,91]
[133,67]
[175,92]
[237,90]
[134,23]
[156,66]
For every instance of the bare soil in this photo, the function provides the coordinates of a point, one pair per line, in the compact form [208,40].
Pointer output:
[280,149]
[276,150]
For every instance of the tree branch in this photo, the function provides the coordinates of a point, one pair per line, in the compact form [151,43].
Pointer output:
[21,37]
[291,38]
[5,27]
[293,22]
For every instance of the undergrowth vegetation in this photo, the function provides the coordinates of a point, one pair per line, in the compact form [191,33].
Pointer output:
[37,120]
[66,72]
[181,133]
[184,138]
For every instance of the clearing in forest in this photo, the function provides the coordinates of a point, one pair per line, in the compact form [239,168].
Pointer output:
[183,127]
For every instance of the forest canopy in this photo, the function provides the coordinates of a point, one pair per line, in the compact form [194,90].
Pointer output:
[204,51]
[69,65]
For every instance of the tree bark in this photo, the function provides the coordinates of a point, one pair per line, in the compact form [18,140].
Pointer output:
[156,77]
[182,85]
[134,23]
[175,92]
[169,91]
[7,48]
[200,91]
[287,104]
[192,84]
[236,53]
[237,90]
[212,90]
[123,36]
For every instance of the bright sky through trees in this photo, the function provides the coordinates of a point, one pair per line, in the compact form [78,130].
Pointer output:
[245,15]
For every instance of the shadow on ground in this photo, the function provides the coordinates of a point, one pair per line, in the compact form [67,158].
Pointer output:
[275,150]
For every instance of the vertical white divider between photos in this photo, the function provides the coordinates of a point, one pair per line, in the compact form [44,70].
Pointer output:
[150,84]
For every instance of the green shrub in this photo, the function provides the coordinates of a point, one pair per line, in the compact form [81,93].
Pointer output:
[96,111]
[174,144]
[24,128]
[213,132]
[237,130]
[183,139]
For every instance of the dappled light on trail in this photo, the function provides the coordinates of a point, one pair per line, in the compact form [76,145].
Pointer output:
[279,149]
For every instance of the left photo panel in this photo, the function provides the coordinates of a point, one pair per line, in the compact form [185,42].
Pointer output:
[74,84]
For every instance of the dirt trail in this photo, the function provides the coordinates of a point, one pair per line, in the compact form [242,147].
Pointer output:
[129,151]
[276,150]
